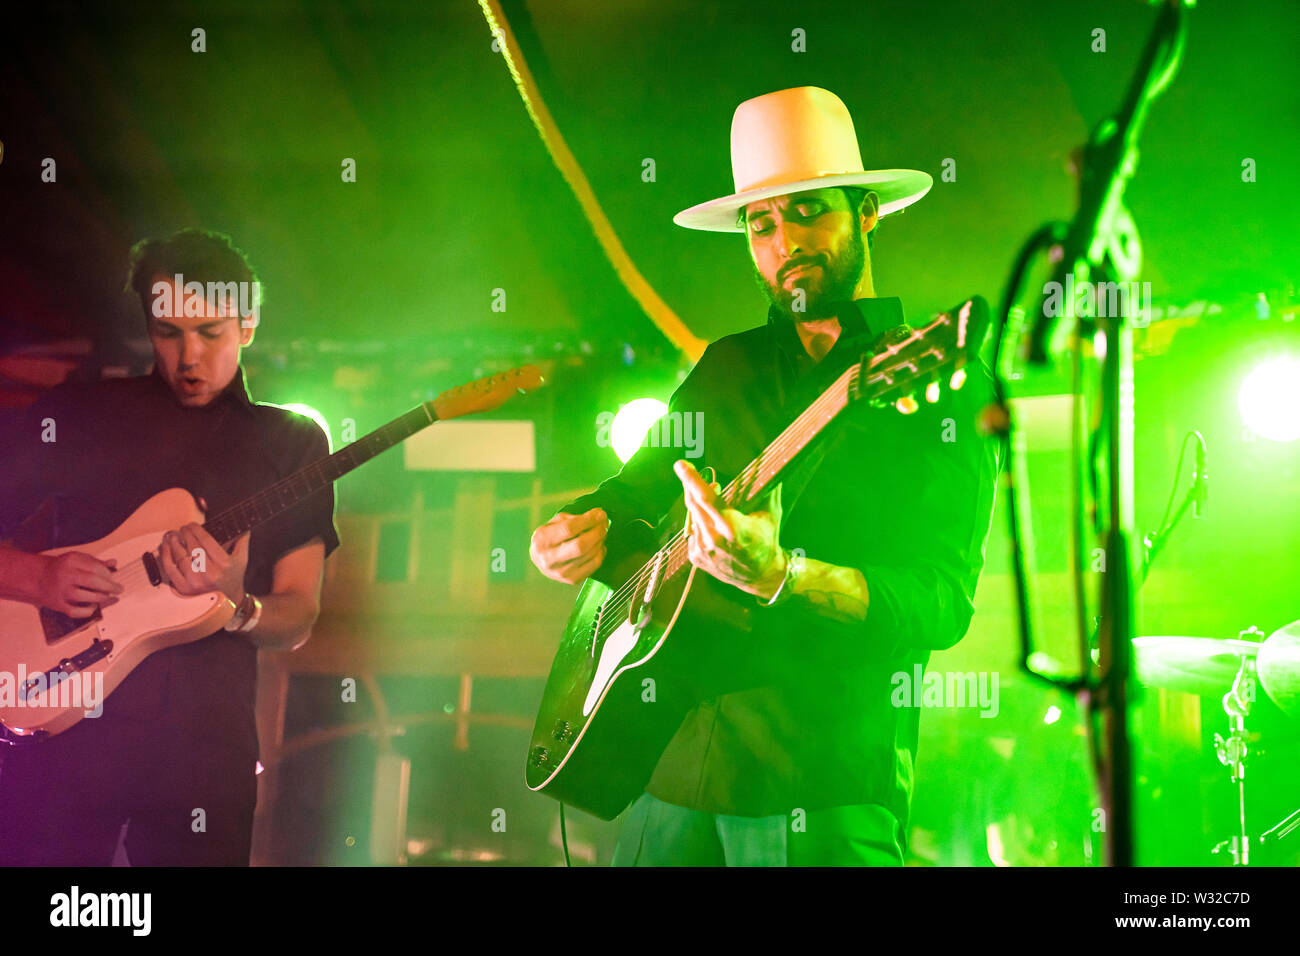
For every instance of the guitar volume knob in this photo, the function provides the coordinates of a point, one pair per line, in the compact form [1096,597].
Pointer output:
[540,756]
[563,730]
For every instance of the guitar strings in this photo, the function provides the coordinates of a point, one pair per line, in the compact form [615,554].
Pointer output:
[670,555]
[673,559]
[785,440]
[378,436]
[135,573]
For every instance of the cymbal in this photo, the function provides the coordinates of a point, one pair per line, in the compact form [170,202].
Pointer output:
[1194,665]
[1279,667]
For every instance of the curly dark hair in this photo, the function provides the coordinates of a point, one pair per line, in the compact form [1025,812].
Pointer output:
[199,255]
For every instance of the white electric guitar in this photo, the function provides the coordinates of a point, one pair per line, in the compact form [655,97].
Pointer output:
[55,669]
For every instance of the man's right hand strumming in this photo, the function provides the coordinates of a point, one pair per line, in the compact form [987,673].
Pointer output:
[568,548]
[74,583]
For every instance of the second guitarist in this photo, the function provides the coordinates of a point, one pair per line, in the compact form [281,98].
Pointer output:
[174,751]
[810,759]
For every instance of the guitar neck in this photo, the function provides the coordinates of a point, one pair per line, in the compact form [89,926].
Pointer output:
[228,525]
[756,478]
[874,378]
[906,360]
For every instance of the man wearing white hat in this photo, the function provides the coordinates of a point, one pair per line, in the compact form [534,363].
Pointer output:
[863,563]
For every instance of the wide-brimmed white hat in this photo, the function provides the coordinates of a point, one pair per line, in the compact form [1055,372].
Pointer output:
[793,140]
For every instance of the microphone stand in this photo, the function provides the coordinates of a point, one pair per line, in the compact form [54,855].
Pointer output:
[1099,245]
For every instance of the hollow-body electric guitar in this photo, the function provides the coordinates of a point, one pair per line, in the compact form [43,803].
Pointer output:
[597,740]
[51,664]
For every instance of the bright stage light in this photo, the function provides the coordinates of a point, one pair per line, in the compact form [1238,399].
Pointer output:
[631,424]
[311,413]
[1269,399]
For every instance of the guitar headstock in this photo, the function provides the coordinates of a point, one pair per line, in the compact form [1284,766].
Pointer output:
[487,393]
[918,364]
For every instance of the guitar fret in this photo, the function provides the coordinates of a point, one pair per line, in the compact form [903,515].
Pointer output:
[755,477]
[867,379]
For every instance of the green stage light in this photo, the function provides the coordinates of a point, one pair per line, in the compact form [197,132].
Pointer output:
[632,423]
[311,413]
[1269,399]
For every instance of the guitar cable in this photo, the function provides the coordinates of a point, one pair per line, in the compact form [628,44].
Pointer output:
[564,838]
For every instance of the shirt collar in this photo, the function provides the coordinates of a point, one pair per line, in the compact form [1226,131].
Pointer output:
[236,392]
[873,316]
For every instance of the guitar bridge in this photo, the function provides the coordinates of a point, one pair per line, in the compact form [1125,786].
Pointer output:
[48,680]
[639,609]
[595,628]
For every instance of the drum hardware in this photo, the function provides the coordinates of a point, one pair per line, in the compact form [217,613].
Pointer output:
[1203,666]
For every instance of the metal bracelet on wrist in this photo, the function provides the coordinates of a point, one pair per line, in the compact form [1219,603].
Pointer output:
[243,610]
[787,583]
[255,614]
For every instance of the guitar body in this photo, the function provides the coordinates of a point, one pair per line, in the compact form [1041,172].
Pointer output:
[147,617]
[624,677]
[50,664]
[635,659]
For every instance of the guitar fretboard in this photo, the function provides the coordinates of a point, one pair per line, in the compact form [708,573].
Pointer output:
[228,525]
[757,477]
[897,363]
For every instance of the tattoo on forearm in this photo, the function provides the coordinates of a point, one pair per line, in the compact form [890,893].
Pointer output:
[841,607]
[836,592]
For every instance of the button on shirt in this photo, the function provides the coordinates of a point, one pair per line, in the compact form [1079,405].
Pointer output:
[115,444]
[907,500]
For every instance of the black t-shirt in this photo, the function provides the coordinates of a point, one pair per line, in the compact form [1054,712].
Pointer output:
[116,443]
[907,500]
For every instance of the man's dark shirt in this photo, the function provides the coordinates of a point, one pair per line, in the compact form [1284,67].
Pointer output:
[907,500]
[120,441]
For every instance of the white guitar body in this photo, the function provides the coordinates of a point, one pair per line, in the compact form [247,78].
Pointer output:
[49,679]
[51,664]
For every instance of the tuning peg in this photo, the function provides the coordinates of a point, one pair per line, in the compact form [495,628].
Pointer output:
[932,392]
[906,405]
[958,379]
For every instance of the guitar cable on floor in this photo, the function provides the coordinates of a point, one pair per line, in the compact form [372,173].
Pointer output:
[564,838]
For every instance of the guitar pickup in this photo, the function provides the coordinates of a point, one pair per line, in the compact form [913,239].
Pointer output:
[151,568]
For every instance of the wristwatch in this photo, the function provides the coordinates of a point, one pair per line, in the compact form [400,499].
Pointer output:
[247,613]
[793,567]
